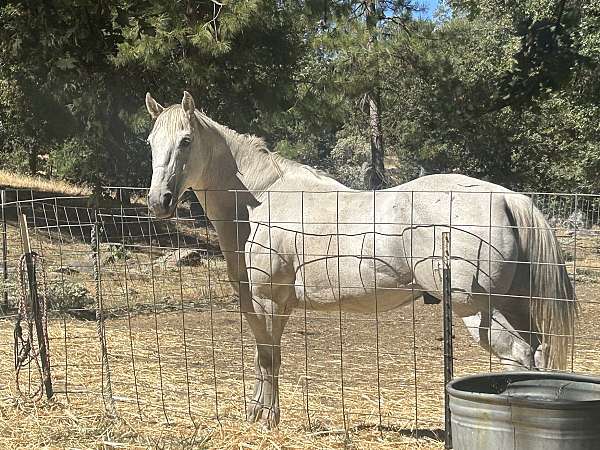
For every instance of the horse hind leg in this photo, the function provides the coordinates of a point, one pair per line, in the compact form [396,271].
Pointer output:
[508,344]
[540,357]
[495,333]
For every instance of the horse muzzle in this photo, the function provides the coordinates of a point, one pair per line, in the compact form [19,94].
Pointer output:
[162,202]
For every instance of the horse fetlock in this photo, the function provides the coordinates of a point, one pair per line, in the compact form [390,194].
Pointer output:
[523,352]
[514,352]
[541,356]
[520,356]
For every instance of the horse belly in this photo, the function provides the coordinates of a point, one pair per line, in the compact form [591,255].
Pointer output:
[356,291]
[366,302]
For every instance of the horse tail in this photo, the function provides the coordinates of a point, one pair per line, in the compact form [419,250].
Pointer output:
[553,306]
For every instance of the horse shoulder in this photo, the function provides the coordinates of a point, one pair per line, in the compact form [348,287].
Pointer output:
[268,258]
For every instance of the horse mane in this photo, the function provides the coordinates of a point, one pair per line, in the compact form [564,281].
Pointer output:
[249,146]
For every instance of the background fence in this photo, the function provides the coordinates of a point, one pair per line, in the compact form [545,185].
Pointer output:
[154,294]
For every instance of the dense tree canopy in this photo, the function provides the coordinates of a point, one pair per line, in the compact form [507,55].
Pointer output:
[507,91]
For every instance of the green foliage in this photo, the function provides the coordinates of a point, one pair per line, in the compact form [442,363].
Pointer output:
[70,160]
[95,61]
[68,296]
[12,286]
[117,252]
[483,96]
[500,90]
[350,158]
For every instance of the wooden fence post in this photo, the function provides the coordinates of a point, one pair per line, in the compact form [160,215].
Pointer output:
[39,310]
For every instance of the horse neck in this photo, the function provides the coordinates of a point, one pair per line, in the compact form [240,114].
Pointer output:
[240,172]
[223,193]
[256,169]
[228,212]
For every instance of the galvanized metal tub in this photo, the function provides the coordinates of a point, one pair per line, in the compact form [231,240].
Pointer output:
[525,411]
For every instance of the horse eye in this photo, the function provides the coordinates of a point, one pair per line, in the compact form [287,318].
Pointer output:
[186,141]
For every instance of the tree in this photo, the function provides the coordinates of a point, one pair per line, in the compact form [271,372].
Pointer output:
[237,57]
[95,61]
[349,39]
[60,59]
[506,92]
[480,96]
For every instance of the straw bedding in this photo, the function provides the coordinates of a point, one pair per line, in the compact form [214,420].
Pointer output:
[183,413]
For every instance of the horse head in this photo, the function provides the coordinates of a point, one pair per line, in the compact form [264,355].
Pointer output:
[179,153]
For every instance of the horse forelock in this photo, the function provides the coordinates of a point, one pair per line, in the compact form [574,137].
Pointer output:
[170,121]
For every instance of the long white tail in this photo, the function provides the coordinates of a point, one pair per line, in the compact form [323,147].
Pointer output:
[553,308]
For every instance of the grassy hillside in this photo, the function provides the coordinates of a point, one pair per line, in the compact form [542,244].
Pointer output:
[12,180]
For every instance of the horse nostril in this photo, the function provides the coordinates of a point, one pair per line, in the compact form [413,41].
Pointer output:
[166,200]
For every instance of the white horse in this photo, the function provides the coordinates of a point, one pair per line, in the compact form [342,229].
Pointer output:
[292,236]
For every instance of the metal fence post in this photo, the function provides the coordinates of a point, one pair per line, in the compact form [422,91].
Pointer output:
[448,337]
[107,394]
[4,252]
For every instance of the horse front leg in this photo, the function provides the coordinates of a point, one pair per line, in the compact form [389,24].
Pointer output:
[267,323]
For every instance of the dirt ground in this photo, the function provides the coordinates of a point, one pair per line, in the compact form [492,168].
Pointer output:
[181,364]
[176,389]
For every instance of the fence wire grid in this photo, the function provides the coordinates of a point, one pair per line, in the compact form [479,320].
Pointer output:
[143,321]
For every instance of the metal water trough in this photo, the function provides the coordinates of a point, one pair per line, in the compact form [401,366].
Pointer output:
[525,411]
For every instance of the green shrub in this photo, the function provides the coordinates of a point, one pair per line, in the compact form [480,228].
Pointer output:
[13,289]
[69,296]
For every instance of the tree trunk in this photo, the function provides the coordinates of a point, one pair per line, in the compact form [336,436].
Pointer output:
[376,179]
[376,173]
[33,159]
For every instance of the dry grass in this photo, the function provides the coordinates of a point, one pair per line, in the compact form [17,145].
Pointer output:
[181,363]
[169,406]
[14,180]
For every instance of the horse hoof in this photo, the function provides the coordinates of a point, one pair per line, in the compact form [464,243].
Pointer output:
[268,417]
[254,412]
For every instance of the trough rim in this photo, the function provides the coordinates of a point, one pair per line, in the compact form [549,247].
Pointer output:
[507,400]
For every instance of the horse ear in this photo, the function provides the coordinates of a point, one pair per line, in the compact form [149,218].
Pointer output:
[154,108]
[187,103]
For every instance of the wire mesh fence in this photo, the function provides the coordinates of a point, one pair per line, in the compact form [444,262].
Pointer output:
[142,316]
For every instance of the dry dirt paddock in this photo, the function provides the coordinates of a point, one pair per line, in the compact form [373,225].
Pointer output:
[181,364]
[170,394]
